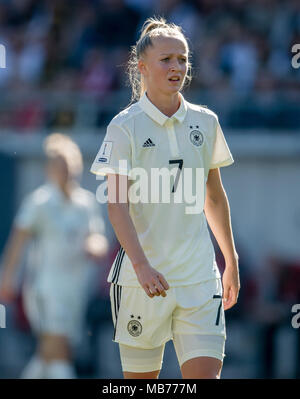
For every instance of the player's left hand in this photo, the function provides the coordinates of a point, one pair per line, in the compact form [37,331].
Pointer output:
[231,286]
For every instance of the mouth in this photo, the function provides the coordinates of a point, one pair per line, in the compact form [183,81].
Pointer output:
[174,79]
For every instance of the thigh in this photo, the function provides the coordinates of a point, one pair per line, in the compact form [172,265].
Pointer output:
[199,355]
[141,363]
[53,347]
[140,321]
[202,368]
[199,327]
[141,376]
[200,309]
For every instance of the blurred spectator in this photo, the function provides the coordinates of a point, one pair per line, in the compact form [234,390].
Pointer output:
[239,59]
[239,48]
[116,23]
[97,73]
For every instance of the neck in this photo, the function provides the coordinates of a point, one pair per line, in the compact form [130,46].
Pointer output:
[167,104]
[65,188]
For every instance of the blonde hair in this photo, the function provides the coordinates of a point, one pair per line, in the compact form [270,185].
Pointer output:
[60,145]
[152,27]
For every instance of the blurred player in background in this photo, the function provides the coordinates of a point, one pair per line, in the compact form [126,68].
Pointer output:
[64,224]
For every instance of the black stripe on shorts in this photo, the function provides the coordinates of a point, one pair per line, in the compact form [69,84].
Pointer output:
[118,265]
[117,291]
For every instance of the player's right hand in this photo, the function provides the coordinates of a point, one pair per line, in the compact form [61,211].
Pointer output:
[7,290]
[153,282]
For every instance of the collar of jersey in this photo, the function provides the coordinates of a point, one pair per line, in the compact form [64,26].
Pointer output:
[155,114]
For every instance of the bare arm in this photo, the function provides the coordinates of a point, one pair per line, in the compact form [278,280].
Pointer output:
[217,213]
[152,281]
[12,253]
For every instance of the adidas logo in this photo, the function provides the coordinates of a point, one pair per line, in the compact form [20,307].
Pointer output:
[149,143]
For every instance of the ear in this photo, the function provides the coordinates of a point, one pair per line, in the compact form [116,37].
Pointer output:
[142,67]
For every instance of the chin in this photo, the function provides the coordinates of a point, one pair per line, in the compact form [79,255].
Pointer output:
[175,90]
[170,90]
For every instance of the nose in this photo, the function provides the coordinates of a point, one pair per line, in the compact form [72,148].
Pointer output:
[175,66]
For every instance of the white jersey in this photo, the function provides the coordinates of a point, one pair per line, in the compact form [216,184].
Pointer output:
[177,244]
[59,227]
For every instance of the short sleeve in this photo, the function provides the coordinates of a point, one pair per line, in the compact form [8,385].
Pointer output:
[221,155]
[114,155]
[28,215]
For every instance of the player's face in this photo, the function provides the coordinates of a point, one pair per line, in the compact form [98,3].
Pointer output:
[58,171]
[164,65]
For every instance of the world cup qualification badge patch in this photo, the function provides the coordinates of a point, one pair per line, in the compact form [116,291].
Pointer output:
[134,327]
[196,137]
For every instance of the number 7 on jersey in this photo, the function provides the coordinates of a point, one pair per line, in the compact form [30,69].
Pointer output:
[180,163]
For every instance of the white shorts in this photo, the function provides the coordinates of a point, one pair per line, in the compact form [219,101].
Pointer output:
[147,323]
[58,313]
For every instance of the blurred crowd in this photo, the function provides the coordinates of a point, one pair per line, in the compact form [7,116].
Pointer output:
[66,60]
[66,68]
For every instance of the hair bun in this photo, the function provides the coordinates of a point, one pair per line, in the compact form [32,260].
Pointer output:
[153,23]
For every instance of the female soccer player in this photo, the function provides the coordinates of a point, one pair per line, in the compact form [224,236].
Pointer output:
[65,225]
[164,247]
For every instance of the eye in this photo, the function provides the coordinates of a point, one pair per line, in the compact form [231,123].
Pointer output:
[166,59]
[182,59]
